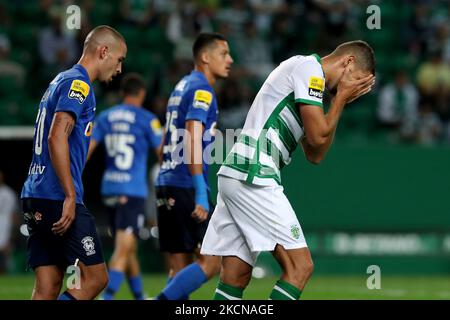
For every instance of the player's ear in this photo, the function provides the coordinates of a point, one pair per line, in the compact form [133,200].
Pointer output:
[349,60]
[204,57]
[103,52]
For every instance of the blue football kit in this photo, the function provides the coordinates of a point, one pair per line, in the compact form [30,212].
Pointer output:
[177,191]
[42,195]
[128,134]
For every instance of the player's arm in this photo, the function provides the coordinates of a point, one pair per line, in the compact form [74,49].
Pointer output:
[92,146]
[159,150]
[320,128]
[58,145]
[156,136]
[194,153]
[98,135]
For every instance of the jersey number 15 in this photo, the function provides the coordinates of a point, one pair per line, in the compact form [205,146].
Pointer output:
[119,147]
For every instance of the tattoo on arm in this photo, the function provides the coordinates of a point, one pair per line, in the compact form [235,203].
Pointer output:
[64,121]
[69,128]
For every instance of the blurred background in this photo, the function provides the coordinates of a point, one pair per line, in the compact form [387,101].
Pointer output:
[382,195]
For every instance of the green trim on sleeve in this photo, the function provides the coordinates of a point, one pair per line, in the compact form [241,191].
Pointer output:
[311,102]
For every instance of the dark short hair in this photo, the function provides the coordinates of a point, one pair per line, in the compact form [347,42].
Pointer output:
[205,40]
[131,84]
[363,52]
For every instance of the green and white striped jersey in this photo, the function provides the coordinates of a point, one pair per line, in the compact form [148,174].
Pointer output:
[273,127]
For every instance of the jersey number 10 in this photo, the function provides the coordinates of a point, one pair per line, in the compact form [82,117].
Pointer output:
[39,131]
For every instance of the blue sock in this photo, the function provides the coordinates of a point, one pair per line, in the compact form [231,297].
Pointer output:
[115,280]
[161,296]
[136,287]
[183,283]
[66,296]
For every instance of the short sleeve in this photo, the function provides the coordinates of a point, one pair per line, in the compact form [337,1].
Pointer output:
[155,132]
[309,83]
[202,100]
[99,130]
[73,94]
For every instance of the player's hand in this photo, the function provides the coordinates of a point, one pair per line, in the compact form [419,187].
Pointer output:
[67,217]
[350,89]
[199,214]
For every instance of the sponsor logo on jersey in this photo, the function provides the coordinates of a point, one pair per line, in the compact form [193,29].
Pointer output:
[88,245]
[79,90]
[315,93]
[156,126]
[202,99]
[316,87]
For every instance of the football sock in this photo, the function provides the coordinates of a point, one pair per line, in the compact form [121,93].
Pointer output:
[227,292]
[115,280]
[66,296]
[285,291]
[136,287]
[183,283]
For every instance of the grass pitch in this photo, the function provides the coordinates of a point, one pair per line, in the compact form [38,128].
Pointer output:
[19,287]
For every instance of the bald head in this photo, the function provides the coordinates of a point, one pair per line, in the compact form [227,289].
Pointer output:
[102,36]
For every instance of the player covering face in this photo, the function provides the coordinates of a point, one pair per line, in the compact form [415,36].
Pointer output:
[252,212]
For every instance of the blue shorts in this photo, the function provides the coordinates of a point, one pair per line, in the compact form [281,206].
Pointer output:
[125,213]
[46,248]
[178,231]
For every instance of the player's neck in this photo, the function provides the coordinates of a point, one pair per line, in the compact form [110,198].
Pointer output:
[208,74]
[91,70]
[132,101]
[327,62]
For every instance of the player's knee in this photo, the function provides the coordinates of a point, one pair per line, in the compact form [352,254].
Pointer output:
[210,266]
[101,281]
[94,283]
[302,270]
[240,280]
[48,291]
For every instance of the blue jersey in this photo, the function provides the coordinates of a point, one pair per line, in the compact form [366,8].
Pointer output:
[71,91]
[192,99]
[128,134]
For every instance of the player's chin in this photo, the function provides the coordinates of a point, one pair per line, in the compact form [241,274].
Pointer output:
[225,73]
[106,80]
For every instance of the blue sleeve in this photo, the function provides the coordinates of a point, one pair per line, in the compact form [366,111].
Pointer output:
[155,132]
[99,131]
[198,109]
[73,94]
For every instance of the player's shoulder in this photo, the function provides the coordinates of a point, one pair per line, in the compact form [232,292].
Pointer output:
[304,61]
[197,81]
[145,114]
[77,72]
[76,80]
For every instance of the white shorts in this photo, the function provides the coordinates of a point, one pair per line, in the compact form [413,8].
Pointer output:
[249,219]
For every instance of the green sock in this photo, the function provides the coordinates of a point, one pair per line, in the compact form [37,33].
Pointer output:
[285,291]
[227,292]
